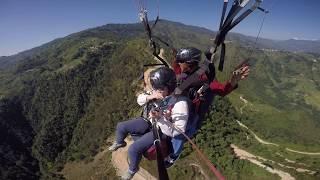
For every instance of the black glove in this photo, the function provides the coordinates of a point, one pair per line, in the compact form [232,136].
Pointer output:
[212,72]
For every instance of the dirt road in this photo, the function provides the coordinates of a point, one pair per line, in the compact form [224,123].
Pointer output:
[255,159]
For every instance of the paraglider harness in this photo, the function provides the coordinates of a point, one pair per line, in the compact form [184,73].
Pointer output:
[160,106]
[226,24]
[197,89]
[161,146]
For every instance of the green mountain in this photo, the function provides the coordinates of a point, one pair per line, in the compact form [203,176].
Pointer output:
[59,102]
[291,45]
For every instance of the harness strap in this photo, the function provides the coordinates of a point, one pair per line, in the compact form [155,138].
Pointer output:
[225,5]
[244,15]
[162,171]
[144,19]
[230,23]
[193,78]
[197,102]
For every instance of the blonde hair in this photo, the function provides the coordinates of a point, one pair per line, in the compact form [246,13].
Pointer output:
[146,79]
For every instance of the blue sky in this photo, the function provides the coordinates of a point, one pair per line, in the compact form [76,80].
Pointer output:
[29,23]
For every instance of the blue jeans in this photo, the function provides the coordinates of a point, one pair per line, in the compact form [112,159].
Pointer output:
[178,141]
[136,127]
[194,123]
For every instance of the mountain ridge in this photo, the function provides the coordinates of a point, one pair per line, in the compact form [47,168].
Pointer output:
[73,92]
[292,45]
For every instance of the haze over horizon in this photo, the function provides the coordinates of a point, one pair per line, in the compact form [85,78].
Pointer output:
[28,24]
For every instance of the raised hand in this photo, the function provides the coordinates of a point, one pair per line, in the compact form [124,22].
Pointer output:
[239,74]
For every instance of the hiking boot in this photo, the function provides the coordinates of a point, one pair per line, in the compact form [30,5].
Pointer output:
[116,146]
[127,175]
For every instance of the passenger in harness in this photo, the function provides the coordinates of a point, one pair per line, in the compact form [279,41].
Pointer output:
[163,82]
[201,92]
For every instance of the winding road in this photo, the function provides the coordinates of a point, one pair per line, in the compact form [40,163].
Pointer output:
[255,160]
[265,142]
[242,154]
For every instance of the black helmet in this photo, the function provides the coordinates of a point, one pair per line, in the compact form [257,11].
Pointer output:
[163,77]
[188,55]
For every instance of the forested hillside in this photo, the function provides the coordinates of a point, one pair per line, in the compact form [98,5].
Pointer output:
[61,101]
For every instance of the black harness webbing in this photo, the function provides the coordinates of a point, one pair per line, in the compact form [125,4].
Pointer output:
[144,19]
[229,23]
[162,171]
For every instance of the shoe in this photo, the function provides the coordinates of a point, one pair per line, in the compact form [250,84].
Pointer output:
[116,146]
[127,175]
[169,162]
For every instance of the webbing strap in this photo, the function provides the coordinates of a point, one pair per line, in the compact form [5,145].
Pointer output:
[144,19]
[162,171]
[193,78]
[225,5]
[243,15]
[230,23]
[222,56]
[197,103]
[232,13]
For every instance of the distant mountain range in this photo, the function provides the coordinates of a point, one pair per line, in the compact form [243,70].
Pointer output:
[292,45]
